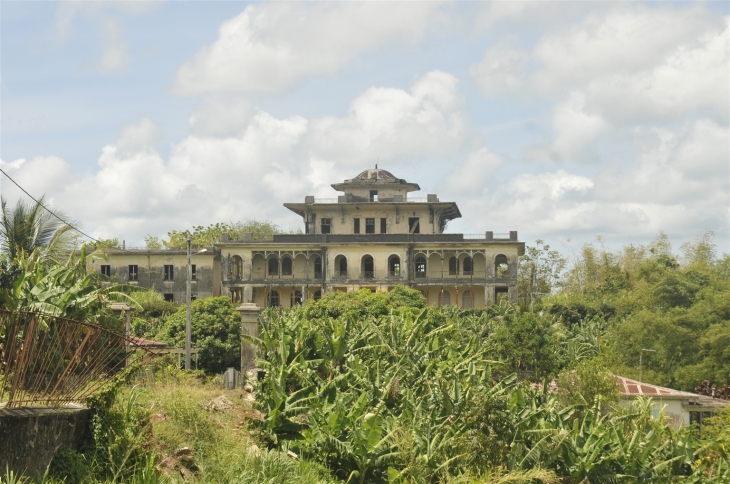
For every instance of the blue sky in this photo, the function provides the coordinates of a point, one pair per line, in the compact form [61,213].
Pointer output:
[562,120]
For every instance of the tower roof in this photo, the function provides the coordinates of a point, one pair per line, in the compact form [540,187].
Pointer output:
[375,176]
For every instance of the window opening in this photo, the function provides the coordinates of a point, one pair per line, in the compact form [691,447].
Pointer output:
[169,297]
[193,272]
[106,270]
[133,274]
[501,294]
[318,295]
[444,298]
[453,266]
[467,300]
[501,267]
[286,266]
[236,268]
[326,224]
[193,297]
[273,299]
[169,272]
[373,195]
[296,298]
[273,267]
[369,225]
[317,267]
[343,267]
[468,266]
[394,266]
[382,225]
[420,267]
[368,267]
[413,226]
[357,225]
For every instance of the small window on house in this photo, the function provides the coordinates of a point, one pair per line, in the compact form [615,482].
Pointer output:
[357,226]
[193,297]
[296,298]
[193,273]
[133,274]
[453,266]
[106,270]
[341,266]
[169,297]
[286,266]
[501,267]
[413,226]
[382,225]
[317,267]
[369,225]
[273,301]
[373,195]
[326,225]
[273,267]
[444,298]
[169,273]
[420,267]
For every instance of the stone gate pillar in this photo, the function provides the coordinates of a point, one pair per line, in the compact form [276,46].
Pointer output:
[249,326]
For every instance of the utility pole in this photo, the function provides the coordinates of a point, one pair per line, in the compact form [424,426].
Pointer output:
[641,354]
[188,296]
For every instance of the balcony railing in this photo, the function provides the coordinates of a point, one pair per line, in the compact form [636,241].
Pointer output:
[369,274]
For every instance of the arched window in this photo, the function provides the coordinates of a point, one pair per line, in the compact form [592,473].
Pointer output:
[468,266]
[453,266]
[420,266]
[273,299]
[318,295]
[341,267]
[236,268]
[501,267]
[444,298]
[273,267]
[317,267]
[467,300]
[296,298]
[286,266]
[394,266]
[368,267]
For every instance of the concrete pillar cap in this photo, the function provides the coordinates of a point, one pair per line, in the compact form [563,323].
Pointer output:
[248,307]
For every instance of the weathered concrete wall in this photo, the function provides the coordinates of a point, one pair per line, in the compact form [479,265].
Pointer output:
[30,437]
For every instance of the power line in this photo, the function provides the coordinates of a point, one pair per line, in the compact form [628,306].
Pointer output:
[49,210]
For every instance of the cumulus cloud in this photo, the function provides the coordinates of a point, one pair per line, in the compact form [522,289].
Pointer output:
[272,47]
[502,70]
[574,127]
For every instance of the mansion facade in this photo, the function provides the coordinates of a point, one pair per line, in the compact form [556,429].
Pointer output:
[373,236]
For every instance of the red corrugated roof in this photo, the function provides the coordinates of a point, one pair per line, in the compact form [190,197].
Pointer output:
[633,388]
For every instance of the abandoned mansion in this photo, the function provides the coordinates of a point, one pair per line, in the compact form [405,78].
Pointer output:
[372,236]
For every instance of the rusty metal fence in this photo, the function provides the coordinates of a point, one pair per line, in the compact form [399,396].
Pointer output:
[47,360]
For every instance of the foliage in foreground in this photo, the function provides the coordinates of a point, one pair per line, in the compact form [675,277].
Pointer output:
[409,396]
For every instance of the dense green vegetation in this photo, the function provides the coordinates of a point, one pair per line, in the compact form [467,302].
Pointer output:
[379,387]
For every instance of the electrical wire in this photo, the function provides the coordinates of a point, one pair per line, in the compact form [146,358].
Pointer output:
[49,210]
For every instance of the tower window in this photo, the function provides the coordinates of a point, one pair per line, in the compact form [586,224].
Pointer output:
[369,225]
[373,195]
[413,226]
[357,225]
[382,225]
[326,225]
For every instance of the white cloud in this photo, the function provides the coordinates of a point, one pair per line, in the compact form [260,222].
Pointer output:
[502,70]
[473,178]
[38,176]
[575,129]
[274,46]
[138,137]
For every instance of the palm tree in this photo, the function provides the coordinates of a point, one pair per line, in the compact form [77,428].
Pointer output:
[29,227]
